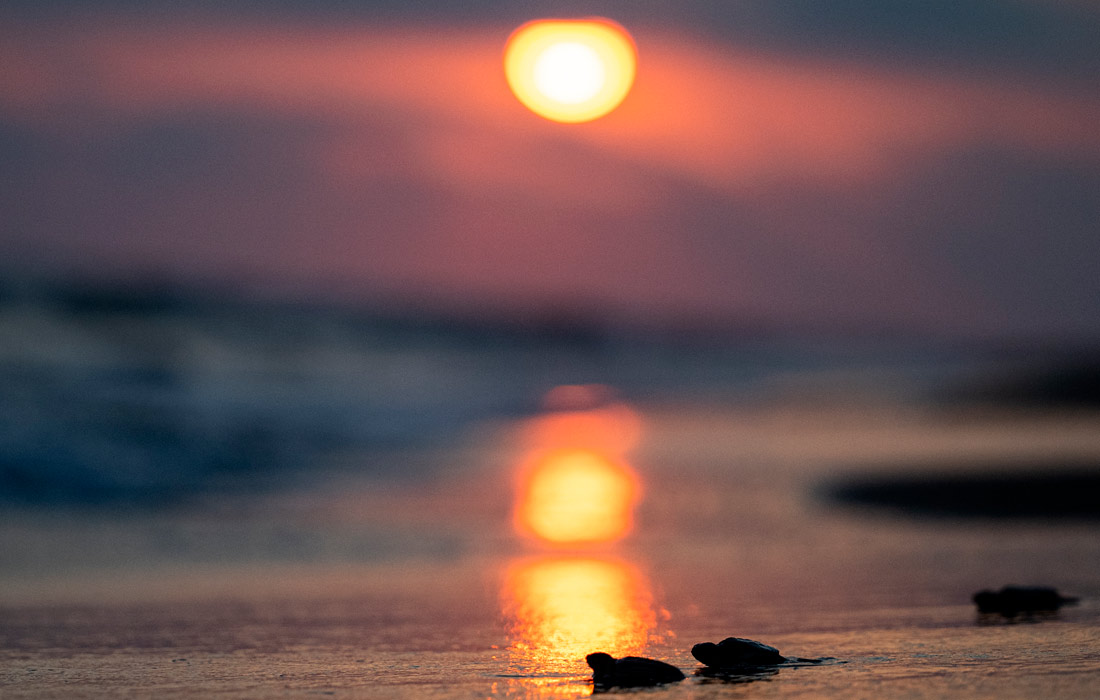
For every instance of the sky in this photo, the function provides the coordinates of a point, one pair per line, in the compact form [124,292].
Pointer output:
[928,167]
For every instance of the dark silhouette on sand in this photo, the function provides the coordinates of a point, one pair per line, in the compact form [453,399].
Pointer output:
[735,652]
[1013,601]
[1044,489]
[739,660]
[629,672]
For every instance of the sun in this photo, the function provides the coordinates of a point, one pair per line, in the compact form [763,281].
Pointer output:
[570,70]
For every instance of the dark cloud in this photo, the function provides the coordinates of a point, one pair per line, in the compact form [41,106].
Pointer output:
[1038,35]
[1018,231]
[1045,37]
[978,242]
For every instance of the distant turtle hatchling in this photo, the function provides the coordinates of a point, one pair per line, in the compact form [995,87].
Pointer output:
[734,652]
[630,671]
[1011,601]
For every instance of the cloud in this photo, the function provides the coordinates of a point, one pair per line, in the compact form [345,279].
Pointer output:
[1054,38]
[702,111]
[393,157]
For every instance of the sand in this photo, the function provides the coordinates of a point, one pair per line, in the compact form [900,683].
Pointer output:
[422,590]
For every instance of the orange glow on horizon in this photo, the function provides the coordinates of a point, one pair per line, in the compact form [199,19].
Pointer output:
[576,486]
[570,70]
[562,609]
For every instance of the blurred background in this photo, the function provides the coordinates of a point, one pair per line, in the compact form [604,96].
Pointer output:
[255,247]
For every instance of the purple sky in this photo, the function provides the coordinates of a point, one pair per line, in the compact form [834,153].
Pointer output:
[865,166]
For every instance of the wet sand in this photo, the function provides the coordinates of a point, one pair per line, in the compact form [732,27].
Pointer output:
[349,649]
[423,591]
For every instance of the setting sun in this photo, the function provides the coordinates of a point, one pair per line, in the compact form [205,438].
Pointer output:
[570,70]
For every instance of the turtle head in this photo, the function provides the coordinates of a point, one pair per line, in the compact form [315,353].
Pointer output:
[706,652]
[987,601]
[600,661]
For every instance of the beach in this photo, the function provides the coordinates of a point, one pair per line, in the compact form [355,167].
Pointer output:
[424,589]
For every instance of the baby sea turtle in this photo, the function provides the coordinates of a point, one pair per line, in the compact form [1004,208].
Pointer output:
[734,652]
[1011,601]
[630,671]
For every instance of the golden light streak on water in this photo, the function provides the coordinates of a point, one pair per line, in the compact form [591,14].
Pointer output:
[576,486]
[578,496]
[561,609]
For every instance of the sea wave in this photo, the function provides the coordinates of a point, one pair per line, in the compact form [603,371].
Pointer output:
[132,394]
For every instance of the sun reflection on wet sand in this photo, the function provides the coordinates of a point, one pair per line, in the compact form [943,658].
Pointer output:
[575,485]
[577,496]
[576,490]
[561,609]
